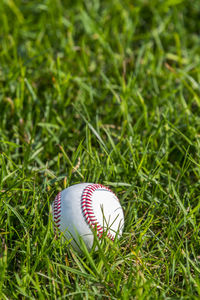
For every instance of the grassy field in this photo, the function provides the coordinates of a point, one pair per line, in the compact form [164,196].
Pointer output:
[106,92]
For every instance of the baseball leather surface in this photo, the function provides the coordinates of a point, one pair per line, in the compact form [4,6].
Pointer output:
[82,208]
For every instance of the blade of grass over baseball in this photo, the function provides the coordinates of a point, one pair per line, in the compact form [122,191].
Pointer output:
[89,257]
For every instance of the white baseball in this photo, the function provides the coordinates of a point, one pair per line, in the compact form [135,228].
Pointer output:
[81,208]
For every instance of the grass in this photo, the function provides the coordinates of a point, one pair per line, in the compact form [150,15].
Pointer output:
[107,92]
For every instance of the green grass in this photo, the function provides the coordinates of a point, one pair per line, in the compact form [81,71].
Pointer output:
[107,92]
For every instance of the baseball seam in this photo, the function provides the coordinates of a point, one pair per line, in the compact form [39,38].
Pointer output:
[57,210]
[87,210]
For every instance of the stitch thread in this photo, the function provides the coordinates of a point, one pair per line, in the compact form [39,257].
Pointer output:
[57,210]
[86,206]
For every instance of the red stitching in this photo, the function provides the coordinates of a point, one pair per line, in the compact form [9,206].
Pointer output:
[57,210]
[88,213]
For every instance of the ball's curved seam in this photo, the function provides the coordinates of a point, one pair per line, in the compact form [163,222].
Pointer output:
[87,210]
[57,210]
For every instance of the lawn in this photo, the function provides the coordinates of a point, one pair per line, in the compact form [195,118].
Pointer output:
[105,92]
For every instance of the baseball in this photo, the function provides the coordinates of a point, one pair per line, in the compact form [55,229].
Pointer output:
[82,208]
